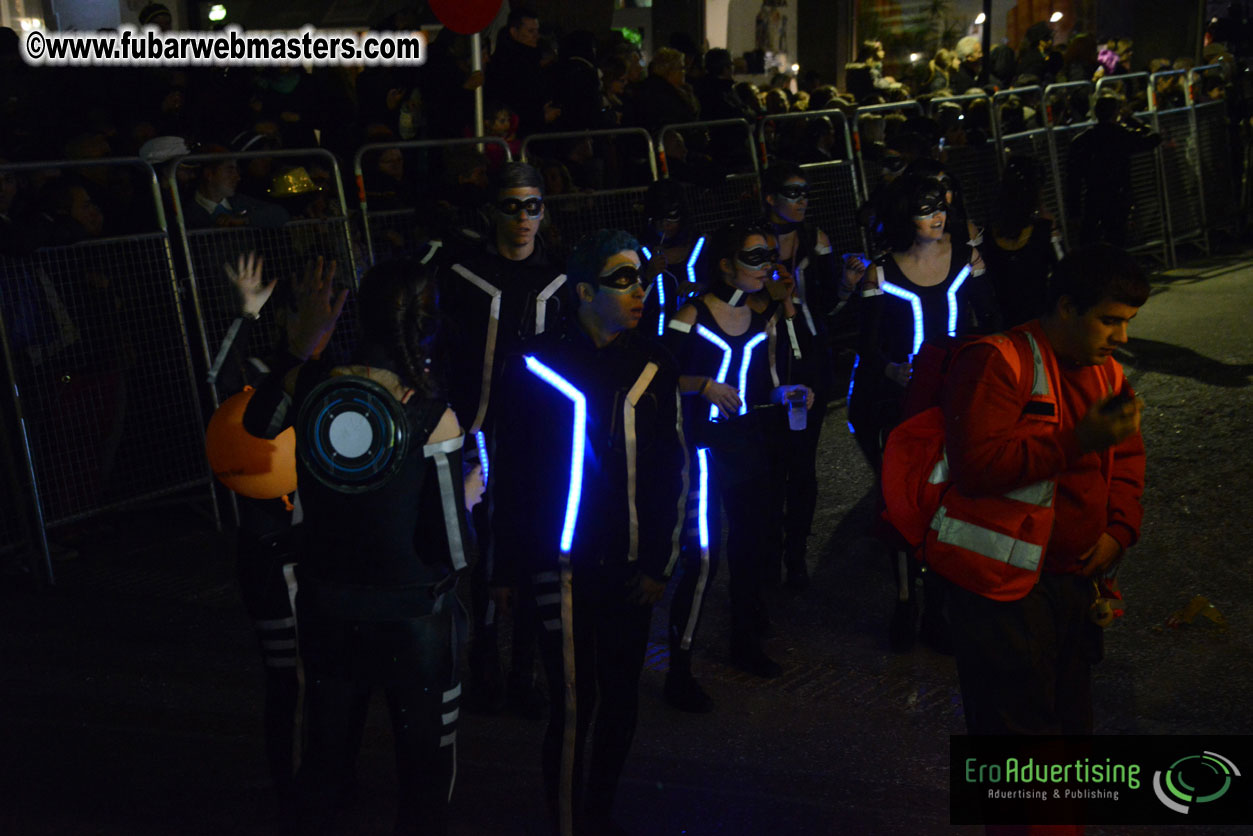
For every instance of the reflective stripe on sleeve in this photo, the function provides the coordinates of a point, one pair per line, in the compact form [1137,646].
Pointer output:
[448,498]
[628,428]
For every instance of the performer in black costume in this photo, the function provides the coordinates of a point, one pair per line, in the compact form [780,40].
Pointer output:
[597,530]
[379,467]
[725,349]
[806,252]
[269,536]
[494,294]
[673,268]
[928,285]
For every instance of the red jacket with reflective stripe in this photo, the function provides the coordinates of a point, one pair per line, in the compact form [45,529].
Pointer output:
[991,451]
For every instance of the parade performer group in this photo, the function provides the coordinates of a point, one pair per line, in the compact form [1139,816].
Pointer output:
[613,414]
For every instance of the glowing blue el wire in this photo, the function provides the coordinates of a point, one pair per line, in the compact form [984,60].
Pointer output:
[745,359]
[648,255]
[576,445]
[691,259]
[703,505]
[952,299]
[726,361]
[852,376]
[915,302]
[481,440]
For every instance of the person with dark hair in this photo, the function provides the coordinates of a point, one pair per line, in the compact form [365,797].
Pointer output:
[1098,172]
[597,531]
[1002,66]
[495,293]
[1023,246]
[806,252]
[1025,627]
[920,290]
[1034,55]
[515,75]
[578,84]
[380,473]
[217,203]
[736,422]
[715,90]
[671,246]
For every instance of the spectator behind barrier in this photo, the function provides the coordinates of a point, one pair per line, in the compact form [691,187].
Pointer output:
[515,77]
[215,202]
[664,97]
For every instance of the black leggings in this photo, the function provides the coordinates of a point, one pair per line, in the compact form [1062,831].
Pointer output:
[412,660]
[610,639]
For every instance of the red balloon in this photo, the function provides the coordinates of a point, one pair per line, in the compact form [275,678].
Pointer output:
[465,17]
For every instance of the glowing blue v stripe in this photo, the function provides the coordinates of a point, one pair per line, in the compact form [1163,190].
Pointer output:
[952,299]
[576,445]
[481,440]
[915,302]
[661,294]
[726,361]
[745,359]
[691,259]
[703,507]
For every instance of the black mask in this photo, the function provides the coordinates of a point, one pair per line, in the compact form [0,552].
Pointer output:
[793,191]
[757,257]
[622,279]
[511,207]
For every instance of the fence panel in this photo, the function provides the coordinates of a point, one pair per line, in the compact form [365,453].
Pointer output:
[1218,174]
[288,248]
[101,367]
[718,195]
[869,137]
[387,175]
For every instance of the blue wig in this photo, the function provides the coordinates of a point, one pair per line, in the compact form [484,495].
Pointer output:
[593,250]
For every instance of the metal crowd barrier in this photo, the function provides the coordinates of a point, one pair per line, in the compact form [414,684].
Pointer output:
[1218,177]
[396,230]
[100,367]
[1183,197]
[1064,129]
[288,247]
[1034,143]
[572,215]
[975,165]
[732,192]
[871,175]
[835,188]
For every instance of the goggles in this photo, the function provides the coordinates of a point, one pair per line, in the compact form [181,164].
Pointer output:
[793,192]
[757,257]
[622,279]
[512,207]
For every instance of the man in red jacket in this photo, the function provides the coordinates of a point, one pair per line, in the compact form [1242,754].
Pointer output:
[1025,664]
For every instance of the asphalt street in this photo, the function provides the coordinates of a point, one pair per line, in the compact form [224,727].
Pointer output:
[130,693]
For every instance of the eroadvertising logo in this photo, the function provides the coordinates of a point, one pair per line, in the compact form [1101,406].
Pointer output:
[1134,779]
[1194,779]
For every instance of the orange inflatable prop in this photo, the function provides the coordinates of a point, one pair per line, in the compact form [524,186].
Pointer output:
[250,466]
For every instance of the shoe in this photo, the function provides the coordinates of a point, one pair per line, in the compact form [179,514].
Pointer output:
[684,693]
[903,632]
[749,657]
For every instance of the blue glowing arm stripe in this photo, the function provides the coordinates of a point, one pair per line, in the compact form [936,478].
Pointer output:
[577,442]
[745,359]
[661,294]
[952,299]
[648,254]
[691,259]
[915,302]
[702,460]
[726,361]
[481,440]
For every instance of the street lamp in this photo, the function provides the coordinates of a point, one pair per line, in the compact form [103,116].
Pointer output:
[980,19]
[1056,17]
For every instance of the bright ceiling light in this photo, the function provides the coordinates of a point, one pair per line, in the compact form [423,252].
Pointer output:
[914,56]
[1056,17]
[217,12]
[980,19]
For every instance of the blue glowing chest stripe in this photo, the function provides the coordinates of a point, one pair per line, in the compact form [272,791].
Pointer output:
[915,304]
[726,361]
[661,294]
[691,259]
[745,359]
[578,440]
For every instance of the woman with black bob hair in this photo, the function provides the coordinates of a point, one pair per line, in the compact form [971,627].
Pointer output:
[380,474]
[724,342]
[920,290]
